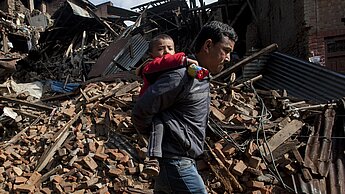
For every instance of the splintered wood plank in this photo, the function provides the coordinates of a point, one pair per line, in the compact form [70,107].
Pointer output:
[127,88]
[282,149]
[31,104]
[61,137]
[282,135]
[215,112]
[84,95]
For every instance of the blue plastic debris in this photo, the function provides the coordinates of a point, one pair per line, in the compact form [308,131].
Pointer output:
[62,88]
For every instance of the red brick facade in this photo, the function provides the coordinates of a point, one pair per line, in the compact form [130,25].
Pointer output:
[326,31]
[302,27]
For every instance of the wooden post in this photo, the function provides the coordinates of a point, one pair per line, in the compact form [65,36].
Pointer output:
[9,6]
[43,7]
[4,42]
[31,5]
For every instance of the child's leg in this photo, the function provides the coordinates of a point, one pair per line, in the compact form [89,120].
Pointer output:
[154,148]
[156,137]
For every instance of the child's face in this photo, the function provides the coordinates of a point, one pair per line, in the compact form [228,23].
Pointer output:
[162,47]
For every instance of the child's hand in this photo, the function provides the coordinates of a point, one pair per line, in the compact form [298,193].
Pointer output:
[191,61]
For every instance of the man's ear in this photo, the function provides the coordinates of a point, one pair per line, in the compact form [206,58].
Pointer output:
[207,45]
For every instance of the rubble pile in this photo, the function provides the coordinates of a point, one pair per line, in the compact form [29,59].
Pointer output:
[85,142]
[64,50]
[67,64]
[17,38]
[261,140]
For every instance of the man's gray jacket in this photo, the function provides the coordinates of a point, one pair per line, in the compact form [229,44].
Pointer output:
[182,103]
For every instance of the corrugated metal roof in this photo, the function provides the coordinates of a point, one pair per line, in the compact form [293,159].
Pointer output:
[336,175]
[254,68]
[302,79]
[318,149]
[120,55]
[131,53]
[314,186]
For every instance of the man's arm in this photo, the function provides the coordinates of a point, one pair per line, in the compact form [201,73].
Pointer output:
[158,97]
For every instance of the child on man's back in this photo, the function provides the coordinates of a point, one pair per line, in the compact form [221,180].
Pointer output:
[163,58]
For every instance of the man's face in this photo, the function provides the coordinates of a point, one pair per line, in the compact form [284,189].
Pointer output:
[162,47]
[219,53]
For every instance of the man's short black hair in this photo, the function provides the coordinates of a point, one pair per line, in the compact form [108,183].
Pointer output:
[215,31]
[157,38]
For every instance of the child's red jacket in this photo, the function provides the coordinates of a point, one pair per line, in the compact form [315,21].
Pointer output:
[155,67]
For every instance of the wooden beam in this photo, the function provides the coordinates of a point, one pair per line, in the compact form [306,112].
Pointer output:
[4,42]
[252,10]
[115,34]
[282,149]
[60,96]
[59,139]
[50,173]
[247,60]
[239,13]
[248,81]
[31,5]
[41,106]
[280,137]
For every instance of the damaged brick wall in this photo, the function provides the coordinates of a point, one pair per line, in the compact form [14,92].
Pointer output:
[282,22]
[324,20]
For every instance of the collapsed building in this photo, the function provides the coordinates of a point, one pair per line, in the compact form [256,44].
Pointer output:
[276,122]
